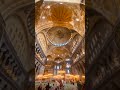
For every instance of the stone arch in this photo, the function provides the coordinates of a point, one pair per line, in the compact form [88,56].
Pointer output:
[17,35]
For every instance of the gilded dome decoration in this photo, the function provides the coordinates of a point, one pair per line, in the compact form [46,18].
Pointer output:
[59,36]
[52,14]
[59,52]
[61,13]
[49,57]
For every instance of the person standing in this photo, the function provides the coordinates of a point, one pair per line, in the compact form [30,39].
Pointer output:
[53,88]
[40,87]
[47,87]
[43,87]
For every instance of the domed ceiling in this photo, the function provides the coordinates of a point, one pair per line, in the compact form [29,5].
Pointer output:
[59,28]
[59,52]
[68,15]
[61,13]
[59,36]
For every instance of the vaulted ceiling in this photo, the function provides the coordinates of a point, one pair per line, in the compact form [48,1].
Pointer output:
[59,27]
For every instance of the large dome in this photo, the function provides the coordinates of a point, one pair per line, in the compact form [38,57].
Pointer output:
[59,36]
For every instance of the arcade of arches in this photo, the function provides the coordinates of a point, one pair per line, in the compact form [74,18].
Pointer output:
[72,44]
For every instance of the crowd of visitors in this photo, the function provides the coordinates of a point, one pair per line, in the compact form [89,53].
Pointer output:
[61,85]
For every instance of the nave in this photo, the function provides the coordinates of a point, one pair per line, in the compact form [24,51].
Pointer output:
[60,45]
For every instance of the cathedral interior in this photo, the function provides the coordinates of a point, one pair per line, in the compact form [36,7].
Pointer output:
[45,41]
[60,40]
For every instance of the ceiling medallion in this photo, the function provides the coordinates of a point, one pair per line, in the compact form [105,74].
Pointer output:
[59,36]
